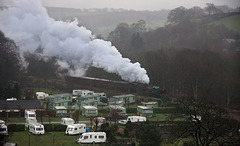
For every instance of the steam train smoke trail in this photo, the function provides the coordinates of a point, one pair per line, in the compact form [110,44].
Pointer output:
[29,25]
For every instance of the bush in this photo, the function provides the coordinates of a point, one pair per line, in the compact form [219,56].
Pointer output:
[54,127]
[48,127]
[59,127]
[16,127]
[131,110]
[164,110]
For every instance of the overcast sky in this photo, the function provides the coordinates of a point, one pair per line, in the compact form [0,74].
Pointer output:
[138,4]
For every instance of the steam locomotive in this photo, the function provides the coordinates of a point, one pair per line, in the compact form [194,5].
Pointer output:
[118,86]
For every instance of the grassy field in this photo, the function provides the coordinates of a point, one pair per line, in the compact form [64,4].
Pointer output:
[232,22]
[49,139]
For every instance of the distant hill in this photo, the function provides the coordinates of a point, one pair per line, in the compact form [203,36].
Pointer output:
[103,21]
[231,22]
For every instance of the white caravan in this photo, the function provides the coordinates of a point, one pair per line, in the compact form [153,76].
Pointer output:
[30,114]
[136,119]
[92,137]
[99,120]
[133,119]
[75,129]
[3,128]
[36,128]
[67,121]
[29,121]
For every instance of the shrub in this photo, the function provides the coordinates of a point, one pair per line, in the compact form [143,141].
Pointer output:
[48,127]
[131,110]
[59,127]
[164,110]
[16,127]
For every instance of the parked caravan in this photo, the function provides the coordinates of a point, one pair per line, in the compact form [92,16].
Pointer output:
[67,121]
[29,121]
[136,119]
[133,119]
[99,121]
[3,128]
[36,128]
[92,137]
[75,129]
[30,114]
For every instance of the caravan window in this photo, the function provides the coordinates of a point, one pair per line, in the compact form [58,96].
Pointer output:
[90,136]
[75,129]
[101,137]
[95,137]
[85,137]
[39,129]
[31,115]
[3,129]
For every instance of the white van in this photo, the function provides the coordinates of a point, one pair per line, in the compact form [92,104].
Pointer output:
[3,128]
[75,129]
[30,114]
[92,137]
[36,128]
[67,121]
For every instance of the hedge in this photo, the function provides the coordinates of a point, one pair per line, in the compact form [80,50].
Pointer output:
[131,110]
[16,127]
[164,110]
[54,127]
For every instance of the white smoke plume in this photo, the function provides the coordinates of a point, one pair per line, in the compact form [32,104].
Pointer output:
[29,25]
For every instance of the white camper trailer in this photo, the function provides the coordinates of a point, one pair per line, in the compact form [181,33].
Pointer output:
[30,114]
[99,121]
[136,119]
[67,121]
[133,119]
[36,128]
[92,137]
[29,121]
[3,128]
[75,129]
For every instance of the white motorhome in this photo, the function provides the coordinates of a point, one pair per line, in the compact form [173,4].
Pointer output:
[30,114]
[67,121]
[75,129]
[29,121]
[92,137]
[3,128]
[36,128]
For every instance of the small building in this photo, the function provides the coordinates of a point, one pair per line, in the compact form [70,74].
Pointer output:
[128,98]
[89,111]
[144,111]
[120,110]
[61,111]
[119,103]
[90,100]
[10,107]
[150,104]
[59,100]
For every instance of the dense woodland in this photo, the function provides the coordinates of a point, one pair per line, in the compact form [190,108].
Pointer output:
[187,57]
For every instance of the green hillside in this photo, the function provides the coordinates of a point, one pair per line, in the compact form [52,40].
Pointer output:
[232,22]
